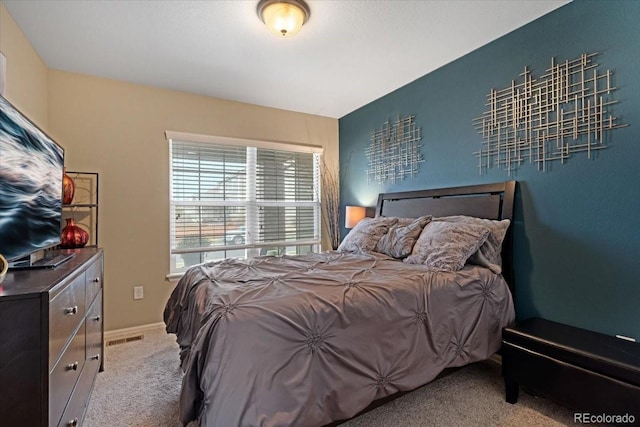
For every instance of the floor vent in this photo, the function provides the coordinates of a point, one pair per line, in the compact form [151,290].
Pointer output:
[124,340]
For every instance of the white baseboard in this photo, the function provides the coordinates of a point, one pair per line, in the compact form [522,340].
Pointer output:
[135,330]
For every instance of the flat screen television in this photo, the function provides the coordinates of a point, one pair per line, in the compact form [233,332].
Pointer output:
[31,172]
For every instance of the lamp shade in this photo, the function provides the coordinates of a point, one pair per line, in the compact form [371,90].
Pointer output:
[353,215]
[283,18]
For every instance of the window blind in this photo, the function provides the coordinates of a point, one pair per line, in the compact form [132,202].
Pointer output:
[241,201]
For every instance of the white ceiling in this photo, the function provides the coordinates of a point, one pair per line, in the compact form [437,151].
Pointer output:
[349,53]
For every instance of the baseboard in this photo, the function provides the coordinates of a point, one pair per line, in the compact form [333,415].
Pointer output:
[132,332]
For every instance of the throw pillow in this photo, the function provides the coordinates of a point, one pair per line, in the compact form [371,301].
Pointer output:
[399,240]
[446,245]
[365,235]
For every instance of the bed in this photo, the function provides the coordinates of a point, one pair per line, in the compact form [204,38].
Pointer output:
[309,340]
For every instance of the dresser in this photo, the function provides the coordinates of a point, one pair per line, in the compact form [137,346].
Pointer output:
[51,341]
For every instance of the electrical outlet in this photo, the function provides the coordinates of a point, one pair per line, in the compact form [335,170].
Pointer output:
[138,292]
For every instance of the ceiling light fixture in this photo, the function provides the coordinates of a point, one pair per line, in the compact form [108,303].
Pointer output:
[284,18]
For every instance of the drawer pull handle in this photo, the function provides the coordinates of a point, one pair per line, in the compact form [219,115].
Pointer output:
[70,311]
[96,357]
[96,280]
[97,318]
[72,366]
[73,422]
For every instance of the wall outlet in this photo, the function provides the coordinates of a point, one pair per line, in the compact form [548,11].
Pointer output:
[138,292]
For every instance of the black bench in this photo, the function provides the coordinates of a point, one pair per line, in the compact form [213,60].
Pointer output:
[586,371]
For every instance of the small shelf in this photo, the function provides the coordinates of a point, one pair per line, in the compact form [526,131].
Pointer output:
[84,206]
[81,205]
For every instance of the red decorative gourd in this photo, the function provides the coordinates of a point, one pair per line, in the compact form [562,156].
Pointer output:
[73,236]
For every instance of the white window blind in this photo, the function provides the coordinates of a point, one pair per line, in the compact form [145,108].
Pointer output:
[229,200]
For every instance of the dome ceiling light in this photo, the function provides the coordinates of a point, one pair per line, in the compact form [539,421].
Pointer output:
[283,18]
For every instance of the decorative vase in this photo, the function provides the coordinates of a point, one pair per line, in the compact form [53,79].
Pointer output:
[68,188]
[73,236]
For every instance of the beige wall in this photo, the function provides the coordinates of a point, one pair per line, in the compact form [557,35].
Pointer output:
[117,129]
[26,73]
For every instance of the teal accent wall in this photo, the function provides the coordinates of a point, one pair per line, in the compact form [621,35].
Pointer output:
[577,226]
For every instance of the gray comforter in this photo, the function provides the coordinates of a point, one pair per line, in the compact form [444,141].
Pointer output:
[303,341]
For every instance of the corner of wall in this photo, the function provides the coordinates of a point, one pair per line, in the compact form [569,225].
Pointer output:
[27,74]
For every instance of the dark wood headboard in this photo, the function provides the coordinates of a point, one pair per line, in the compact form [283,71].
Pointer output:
[490,201]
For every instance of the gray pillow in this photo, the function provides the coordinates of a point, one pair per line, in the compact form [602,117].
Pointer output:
[365,235]
[489,253]
[447,245]
[399,240]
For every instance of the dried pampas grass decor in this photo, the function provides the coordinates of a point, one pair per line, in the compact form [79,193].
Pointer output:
[330,200]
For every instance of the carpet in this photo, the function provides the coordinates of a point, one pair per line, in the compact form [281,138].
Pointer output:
[141,384]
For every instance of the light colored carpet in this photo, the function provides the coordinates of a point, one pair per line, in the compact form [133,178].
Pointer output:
[141,384]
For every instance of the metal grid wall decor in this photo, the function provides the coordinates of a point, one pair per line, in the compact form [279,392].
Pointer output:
[394,152]
[562,113]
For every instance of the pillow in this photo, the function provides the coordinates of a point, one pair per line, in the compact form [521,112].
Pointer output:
[447,245]
[365,235]
[399,240]
[489,253]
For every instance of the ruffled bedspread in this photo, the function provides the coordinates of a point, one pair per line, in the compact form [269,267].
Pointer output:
[306,340]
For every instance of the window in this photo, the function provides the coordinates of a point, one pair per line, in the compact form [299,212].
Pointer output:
[240,199]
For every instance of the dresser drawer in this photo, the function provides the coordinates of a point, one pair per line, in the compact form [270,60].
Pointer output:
[94,329]
[65,375]
[93,281]
[77,406]
[66,312]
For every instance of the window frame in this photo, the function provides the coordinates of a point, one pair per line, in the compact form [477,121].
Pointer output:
[251,247]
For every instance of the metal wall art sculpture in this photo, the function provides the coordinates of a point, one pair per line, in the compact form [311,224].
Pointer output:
[394,152]
[547,119]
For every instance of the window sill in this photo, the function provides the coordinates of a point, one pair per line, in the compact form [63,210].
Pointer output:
[174,277]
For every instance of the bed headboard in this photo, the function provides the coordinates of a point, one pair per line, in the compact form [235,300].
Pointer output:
[490,201]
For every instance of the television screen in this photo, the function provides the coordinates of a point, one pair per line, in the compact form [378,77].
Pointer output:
[31,171]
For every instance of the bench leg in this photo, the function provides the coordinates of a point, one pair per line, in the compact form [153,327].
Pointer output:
[511,389]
